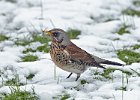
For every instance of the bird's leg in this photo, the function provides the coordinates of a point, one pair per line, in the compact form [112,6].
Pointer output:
[78,75]
[69,75]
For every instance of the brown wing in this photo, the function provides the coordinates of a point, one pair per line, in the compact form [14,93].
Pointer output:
[78,54]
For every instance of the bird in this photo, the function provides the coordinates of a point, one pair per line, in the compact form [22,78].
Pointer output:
[71,58]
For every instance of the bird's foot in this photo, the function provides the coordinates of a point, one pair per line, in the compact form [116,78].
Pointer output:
[78,76]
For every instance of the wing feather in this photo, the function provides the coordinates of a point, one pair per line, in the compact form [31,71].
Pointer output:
[78,54]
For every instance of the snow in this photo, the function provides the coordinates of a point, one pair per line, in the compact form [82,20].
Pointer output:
[97,37]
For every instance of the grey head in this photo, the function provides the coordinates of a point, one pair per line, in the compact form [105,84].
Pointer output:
[58,35]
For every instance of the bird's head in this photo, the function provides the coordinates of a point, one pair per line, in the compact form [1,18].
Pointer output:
[58,35]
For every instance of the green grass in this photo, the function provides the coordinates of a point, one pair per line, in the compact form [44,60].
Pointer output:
[115,39]
[123,30]
[137,46]
[30,76]
[63,96]
[131,12]
[107,72]
[28,50]
[136,3]
[128,56]
[20,95]
[44,48]
[126,72]
[17,94]
[12,81]
[3,37]
[83,82]
[23,42]
[29,58]
[123,88]
[38,37]
[34,37]
[73,33]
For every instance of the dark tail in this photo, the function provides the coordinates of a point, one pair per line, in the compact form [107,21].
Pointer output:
[103,61]
[111,63]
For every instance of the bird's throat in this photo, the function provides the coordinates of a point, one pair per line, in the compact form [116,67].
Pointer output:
[56,40]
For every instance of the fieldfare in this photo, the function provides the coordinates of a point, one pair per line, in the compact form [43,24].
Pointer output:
[69,57]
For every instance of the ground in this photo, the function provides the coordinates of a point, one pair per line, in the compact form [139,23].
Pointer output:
[109,29]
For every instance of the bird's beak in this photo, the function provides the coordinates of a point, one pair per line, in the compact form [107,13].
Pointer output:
[45,31]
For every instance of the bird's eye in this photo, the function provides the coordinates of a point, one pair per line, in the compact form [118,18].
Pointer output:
[56,34]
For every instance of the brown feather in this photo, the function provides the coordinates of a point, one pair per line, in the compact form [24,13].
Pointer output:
[77,53]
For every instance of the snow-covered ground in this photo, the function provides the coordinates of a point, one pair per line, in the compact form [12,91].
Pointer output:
[97,19]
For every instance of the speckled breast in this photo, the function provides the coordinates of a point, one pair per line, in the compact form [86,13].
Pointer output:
[59,57]
[62,59]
